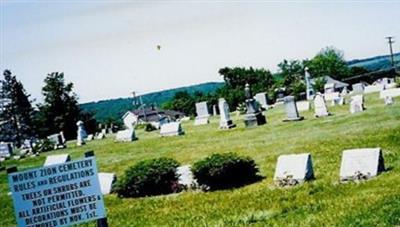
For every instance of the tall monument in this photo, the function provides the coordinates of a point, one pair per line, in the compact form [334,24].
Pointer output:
[309,87]
[253,116]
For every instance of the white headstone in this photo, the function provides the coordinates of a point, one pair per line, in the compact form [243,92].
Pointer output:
[81,134]
[261,98]
[374,88]
[171,129]
[389,100]
[303,106]
[215,110]
[331,96]
[225,119]
[393,92]
[90,137]
[202,114]
[297,167]
[356,104]
[100,136]
[56,159]
[320,106]
[6,150]
[106,181]
[127,135]
[186,176]
[361,164]
[58,140]
[338,101]
[358,88]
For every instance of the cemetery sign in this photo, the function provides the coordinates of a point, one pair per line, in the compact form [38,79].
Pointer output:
[57,195]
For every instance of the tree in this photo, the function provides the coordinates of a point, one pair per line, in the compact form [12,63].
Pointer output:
[260,80]
[16,113]
[291,73]
[329,62]
[60,110]
[183,101]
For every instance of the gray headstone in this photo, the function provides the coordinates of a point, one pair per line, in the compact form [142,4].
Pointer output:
[127,135]
[291,109]
[293,169]
[56,159]
[171,129]
[6,150]
[90,137]
[202,114]
[215,110]
[309,88]
[106,181]
[320,106]
[225,119]
[358,164]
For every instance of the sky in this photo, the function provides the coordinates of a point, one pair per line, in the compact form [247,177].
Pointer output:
[109,48]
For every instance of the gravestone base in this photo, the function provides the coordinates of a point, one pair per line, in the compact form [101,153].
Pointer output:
[254,119]
[294,119]
[227,125]
[201,120]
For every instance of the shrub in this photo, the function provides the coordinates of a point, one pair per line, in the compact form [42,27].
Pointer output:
[149,177]
[149,127]
[222,171]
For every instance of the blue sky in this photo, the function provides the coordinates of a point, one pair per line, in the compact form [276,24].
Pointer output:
[109,48]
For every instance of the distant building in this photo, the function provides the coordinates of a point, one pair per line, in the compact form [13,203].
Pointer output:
[151,115]
[332,85]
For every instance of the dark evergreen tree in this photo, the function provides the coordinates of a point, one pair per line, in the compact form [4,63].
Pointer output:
[16,111]
[60,110]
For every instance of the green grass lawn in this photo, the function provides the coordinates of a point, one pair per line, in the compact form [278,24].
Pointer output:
[322,202]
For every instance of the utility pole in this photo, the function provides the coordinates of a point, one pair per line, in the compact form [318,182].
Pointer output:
[391,41]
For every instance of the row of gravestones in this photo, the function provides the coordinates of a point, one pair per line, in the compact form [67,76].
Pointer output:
[293,169]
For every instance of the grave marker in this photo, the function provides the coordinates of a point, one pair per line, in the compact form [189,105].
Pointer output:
[171,129]
[225,119]
[362,163]
[356,104]
[291,109]
[127,135]
[202,114]
[6,150]
[293,169]
[106,181]
[56,159]
[320,106]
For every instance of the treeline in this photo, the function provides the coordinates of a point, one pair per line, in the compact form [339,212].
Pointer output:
[290,76]
[20,120]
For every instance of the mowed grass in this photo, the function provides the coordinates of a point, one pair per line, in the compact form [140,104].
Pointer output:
[322,202]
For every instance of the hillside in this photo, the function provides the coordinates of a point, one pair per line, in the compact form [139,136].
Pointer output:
[321,202]
[115,108]
[375,63]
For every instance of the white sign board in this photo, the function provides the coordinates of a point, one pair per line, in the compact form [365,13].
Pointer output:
[57,195]
[367,161]
[56,159]
[296,166]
